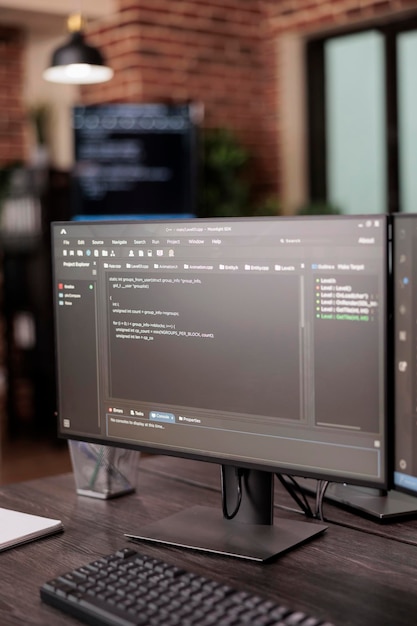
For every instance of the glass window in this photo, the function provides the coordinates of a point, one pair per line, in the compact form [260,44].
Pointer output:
[355,123]
[407,119]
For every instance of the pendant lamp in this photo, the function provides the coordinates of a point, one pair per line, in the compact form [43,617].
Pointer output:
[77,63]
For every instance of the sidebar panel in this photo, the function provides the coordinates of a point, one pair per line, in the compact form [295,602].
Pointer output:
[77,347]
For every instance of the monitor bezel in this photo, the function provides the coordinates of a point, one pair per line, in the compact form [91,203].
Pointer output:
[386,480]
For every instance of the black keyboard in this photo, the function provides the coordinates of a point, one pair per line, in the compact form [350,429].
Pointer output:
[127,588]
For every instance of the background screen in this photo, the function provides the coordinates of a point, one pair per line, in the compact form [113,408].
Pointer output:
[134,159]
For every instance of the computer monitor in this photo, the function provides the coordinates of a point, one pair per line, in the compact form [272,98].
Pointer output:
[259,344]
[134,159]
[405,320]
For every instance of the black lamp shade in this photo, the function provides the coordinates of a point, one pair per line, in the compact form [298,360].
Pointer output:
[76,50]
[77,63]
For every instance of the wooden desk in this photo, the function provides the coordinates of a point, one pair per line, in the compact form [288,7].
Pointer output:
[361,576]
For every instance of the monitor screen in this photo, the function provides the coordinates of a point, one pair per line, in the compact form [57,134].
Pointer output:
[134,159]
[255,343]
[405,342]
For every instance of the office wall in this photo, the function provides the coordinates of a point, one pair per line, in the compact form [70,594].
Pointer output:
[12,113]
[242,59]
[212,52]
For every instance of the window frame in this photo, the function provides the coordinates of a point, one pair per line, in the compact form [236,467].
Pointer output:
[316,107]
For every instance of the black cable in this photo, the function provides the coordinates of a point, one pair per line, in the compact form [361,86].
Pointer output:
[226,514]
[320,491]
[301,493]
[297,493]
[299,497]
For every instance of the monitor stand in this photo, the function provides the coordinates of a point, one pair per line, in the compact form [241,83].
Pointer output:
[382,506]
[251,534]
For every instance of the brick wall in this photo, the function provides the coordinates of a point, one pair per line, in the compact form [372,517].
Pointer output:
[191,50]
[12,115]
[223,53]
[307,16]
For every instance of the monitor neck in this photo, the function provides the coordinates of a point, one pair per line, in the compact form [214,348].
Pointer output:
[256,488]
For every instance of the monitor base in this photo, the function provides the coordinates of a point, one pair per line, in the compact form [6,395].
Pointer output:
[380,506]
[204,528]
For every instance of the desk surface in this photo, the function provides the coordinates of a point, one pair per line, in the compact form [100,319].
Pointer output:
[358,573]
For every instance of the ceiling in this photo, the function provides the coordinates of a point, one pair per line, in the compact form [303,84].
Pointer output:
[49,16]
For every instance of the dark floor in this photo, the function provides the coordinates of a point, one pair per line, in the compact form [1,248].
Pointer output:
[24,459]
